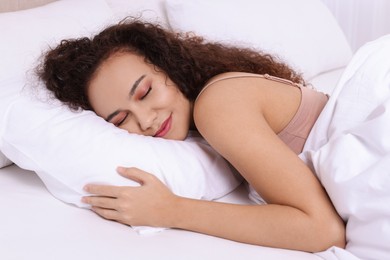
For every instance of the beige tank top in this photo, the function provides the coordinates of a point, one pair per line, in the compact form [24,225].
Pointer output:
[312,102]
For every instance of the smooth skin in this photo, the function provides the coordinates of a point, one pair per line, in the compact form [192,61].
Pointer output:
[240,118]
[132,95]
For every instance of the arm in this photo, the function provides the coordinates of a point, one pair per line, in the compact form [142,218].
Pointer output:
[235,121]
[152,204]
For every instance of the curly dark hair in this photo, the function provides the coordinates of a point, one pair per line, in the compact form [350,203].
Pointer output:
[188,60]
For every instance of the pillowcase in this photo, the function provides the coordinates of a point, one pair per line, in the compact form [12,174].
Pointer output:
[4,161]
[68,149]
[151,10]
[303,33]
[25,33]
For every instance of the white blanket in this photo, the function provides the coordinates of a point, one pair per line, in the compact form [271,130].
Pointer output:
[349,150]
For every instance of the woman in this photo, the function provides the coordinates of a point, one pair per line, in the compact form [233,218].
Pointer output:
[251,108]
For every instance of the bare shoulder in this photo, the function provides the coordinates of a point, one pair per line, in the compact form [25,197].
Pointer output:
[229,78]
[227,84]
[230,112]
[225,94]
[232,116]
[246,95]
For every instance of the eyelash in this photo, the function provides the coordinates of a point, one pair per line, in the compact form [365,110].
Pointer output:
[144,96]
[118,124]
[147,92]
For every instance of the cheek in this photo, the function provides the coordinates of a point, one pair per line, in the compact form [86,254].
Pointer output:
[130,127]
[185,104]
[185,111]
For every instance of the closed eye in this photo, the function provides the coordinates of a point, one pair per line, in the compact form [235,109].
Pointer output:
[119,118]
[146,93]
[121,121]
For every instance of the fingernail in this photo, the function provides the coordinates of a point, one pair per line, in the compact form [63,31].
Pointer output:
[120,169]
[86,188]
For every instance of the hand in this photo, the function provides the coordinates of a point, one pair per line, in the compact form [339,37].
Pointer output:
[151,204]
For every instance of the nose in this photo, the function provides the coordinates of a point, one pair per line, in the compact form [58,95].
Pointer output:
[146,118]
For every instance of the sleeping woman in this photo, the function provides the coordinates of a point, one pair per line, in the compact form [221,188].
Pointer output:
[251,108]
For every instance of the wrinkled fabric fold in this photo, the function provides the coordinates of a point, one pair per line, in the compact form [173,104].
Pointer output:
[349,150]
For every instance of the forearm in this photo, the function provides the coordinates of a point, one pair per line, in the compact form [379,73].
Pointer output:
[307,224]
[266,225]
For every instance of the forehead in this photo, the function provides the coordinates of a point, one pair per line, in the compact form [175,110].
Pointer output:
[122,61]
[120,68]
[113,78]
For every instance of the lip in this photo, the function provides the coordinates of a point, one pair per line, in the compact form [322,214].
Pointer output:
[165,127]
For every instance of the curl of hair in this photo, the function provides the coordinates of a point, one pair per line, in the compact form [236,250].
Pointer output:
[188,60]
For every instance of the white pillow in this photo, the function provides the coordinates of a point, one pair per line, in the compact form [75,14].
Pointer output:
[151,10]
[302,32]
[4,161]
[25,33]
[68,150]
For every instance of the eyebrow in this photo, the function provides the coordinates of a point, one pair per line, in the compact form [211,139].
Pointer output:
[131,93]
[136,84]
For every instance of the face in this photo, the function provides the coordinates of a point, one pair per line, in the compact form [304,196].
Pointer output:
[132,95]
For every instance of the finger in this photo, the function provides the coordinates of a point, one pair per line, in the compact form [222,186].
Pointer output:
[103,190]
[134,174]
[106,213]
[101,202]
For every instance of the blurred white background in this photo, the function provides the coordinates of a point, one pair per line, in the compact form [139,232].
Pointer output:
[361,20]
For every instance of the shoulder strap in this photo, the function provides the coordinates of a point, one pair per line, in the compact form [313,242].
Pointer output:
[248,75]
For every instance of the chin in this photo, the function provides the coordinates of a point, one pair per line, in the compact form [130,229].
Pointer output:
[178,137]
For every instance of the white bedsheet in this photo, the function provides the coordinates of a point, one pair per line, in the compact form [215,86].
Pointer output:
[36,226]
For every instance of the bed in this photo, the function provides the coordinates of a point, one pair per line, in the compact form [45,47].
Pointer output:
[43,218]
